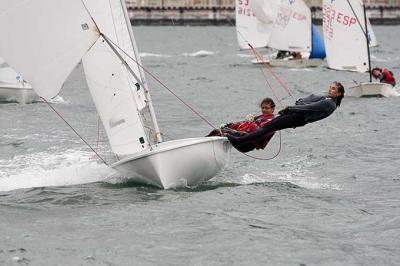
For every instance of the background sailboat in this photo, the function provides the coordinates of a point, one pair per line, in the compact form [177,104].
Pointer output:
[13,88]
[288,27]
[99,33]
[293,31]
[346,41]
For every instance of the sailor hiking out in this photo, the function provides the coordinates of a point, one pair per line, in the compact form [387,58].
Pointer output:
[306,110]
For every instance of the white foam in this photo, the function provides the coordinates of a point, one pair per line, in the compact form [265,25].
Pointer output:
[153,55]
[294,172]
[303,69]
[245,55]
[43,169]
[396,91]
[201,53]
[58,99]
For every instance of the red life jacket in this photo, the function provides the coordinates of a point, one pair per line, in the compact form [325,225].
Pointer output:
[249,127]
[388,77]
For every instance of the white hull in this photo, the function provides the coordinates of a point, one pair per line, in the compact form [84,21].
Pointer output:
[295,63]
[176,163]
[14,92]
[372,89]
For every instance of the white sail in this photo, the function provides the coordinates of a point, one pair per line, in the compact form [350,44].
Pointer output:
[373,41]
[118,95]
[57,40]
[345,41]
[249,28]
[7,74]
[292,27]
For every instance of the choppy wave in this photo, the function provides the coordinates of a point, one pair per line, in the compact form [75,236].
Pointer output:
[294,172]
[58,99]
[43,169]
[201,53]
[153,55]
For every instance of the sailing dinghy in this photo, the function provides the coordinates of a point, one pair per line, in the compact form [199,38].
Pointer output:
[293,31]
[98,32]
[289,28]
[13,87]
[347,37]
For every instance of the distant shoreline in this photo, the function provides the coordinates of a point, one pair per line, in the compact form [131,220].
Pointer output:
[229,22]
[378,15]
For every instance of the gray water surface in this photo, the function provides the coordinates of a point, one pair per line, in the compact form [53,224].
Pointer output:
[331,197]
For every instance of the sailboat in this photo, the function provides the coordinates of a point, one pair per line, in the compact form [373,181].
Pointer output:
[346,36]
[293,31]
[98,32]
[13,88]
[282,25]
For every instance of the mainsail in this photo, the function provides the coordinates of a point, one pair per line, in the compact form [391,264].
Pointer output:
[292,27]
[344,35]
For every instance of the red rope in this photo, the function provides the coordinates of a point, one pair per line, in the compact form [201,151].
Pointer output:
[259,59]
[268,67]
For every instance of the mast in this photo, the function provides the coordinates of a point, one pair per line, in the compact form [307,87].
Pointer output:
[367,41]
[143,79]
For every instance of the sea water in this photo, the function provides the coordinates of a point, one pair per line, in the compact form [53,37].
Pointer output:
[331,197]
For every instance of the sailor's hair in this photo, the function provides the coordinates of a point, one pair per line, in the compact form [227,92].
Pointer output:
[340,89]
[268,101]
[376,68]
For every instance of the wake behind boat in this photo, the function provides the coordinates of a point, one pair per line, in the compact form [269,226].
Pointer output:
[104,41]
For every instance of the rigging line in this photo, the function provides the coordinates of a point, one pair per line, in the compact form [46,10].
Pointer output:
[267,159]
[98,132]
[73,129]
[257,56]
[282,84]
[159,81]
[266,65]
[359,23]
[266,79]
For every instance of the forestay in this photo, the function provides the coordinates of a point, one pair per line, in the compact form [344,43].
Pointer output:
[249,28]
[344,36]
[293,19]
[59,33]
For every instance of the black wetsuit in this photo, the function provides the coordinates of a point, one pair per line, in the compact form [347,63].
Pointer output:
[306,110]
